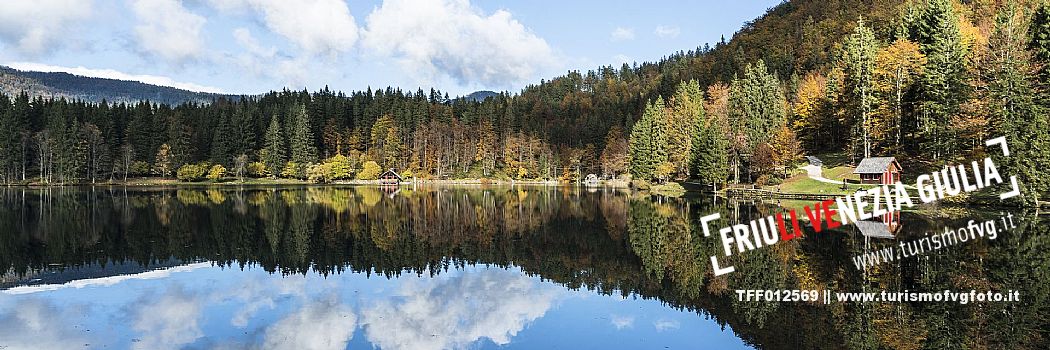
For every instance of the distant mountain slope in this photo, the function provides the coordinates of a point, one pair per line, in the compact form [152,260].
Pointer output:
[478,96]
[58,84]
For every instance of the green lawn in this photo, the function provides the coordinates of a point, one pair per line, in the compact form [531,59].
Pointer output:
[801,183]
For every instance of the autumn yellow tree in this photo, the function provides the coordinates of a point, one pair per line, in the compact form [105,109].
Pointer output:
[486,148]
[687,106]
[614,156]
[809,115]
[786,148]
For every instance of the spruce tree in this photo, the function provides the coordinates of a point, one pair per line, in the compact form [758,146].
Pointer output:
[756,106]
[273,153]
[1012,102]
[302,141]
[709,159]
[943,86]
[648,142]
[223,144]
[860,49]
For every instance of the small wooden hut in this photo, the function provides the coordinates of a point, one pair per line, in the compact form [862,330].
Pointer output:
[878,170]
[390,177]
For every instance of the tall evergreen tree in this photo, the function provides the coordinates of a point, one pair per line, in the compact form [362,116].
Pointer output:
[944,84]
[301,140]
[860,49]
[648,142]
[756,107]
[273,154]
[180,139]
[1012,102]
[709,159]
[223,144]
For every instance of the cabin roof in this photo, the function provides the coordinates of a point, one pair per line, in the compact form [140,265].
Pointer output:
[874,165]
[390,172]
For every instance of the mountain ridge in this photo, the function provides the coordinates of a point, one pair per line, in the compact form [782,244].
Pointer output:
[94,89]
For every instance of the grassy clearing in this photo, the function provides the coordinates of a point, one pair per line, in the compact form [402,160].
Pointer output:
[840,172]
[803,184]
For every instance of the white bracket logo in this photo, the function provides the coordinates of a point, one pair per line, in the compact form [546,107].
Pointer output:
[1015,191]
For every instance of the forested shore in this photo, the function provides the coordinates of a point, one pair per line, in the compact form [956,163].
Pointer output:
[924,81]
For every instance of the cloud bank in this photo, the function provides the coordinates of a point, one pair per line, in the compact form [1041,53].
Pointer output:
[37,27]
[493,303]
[453,38]
[168,30]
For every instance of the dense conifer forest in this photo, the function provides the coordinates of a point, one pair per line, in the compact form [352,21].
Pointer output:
[927,81]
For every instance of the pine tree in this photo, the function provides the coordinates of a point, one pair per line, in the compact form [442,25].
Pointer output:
[943,86]
[860,49]
[756,107]
[301,141]
[140,132]
[380,137]
[392,147]
[648,142]
[616,153]
[709,159]
[897,68]
[179,138]
[273,153]
[1017,115]
[486,148]
[223,144]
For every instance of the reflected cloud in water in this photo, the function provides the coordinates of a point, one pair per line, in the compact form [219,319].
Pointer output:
[213,307]
[444,313]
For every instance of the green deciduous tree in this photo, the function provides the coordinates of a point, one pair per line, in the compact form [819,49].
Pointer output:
[370,171]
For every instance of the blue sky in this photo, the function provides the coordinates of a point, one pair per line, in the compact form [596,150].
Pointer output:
[253,46]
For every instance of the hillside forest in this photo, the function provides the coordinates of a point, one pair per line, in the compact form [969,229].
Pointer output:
[926,81]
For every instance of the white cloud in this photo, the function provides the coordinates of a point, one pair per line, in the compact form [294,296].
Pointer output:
[318,325]
[454,39]
[621,322]
[666,325]
[35,323]
[316,26]
[622,34]
[268,61]
[37,27]
[113,74]
[667,31]
[169,321]
[458,311]
[168,30]
[621,58]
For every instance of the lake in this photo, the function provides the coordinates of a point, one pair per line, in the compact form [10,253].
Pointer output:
[481,268]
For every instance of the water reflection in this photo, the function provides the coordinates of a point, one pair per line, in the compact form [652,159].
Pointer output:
[434,268]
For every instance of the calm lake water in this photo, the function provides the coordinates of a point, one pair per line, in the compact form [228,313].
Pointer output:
[439,268]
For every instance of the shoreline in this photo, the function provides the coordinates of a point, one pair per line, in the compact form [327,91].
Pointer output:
[740,193]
